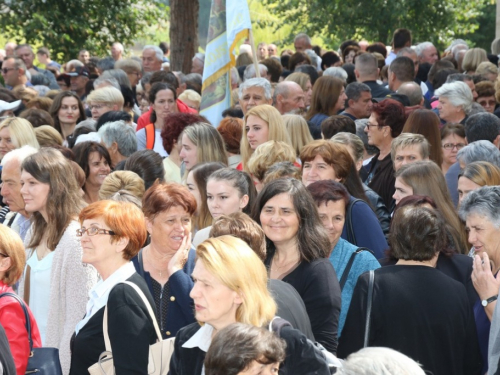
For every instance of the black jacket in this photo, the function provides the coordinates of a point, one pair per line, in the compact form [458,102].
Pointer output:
[378,205]
[300,355]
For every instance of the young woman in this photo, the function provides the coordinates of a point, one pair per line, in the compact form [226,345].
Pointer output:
[162,97]
[228,190]
[56,283]
[262,123]
[95,161]
[67,111]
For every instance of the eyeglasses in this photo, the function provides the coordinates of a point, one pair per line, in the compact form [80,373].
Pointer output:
[6,70]
[92,231]
[451,146]
[97,106]
[368,126]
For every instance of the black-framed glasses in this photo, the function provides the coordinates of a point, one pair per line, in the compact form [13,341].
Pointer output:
[451,146]
[92,231]
[6,70]
[368,126]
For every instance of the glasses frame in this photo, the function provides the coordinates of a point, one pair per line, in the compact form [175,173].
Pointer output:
[453,145]
[6,70]
[80,232]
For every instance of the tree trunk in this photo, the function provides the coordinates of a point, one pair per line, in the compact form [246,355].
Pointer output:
[183,34]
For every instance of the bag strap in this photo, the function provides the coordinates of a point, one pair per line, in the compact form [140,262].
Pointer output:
[350,229]
[369,308]
[27,284]
[348,267]
[140,271]
[26,315]
[277,324]
[107,343]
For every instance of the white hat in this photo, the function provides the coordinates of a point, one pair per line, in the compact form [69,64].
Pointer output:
[6,106]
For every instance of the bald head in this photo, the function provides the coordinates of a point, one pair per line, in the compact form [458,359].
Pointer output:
[413,91]
[288,97]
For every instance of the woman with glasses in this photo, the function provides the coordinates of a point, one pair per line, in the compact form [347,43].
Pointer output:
[452,140]
[67,111]
[111,234]
[12,261]
[55,283]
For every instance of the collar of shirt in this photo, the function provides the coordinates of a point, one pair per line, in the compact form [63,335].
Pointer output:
[23,223]
[98,295]
[201,339]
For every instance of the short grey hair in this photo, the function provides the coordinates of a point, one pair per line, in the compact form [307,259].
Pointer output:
[303,36]
[458,93]
[379,361]
[458,77]
[360,132]
[256,82]
[235,77]
[337,72]
[250,71]
[354,90]
[413,91]
[118,74]
[19,154]
[106,63]
[283,88]
[420,48]
[484,202]
[111,81]
[479,151]
[200,56]
[122,134]
[158,51]
[312,55]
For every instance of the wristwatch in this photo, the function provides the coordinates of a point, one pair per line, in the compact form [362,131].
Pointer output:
[485,302]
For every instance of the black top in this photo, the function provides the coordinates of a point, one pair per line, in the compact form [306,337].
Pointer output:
[130,331]
[381,179]
[6,360]
[300,355]
[420,312]
[378,91]
[317,284]
[290,306]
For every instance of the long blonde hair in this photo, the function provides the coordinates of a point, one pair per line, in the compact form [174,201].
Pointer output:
[237,266]
[21,132]
[275,123]
[298,130]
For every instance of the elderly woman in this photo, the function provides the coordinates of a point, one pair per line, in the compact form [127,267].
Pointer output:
[348,260]
[480,211]
[385,123]
[415,308]
[12,261]
[475,175]
[111,234]
[455,102]
[298,247]
[167,262]
[231,287]
[55,284]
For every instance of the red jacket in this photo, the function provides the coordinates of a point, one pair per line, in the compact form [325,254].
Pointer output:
[12,320]
[146,117]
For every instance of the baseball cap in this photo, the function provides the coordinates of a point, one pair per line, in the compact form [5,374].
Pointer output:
[6,106]
[79,71]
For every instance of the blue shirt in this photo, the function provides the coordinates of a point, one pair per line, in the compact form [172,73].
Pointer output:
[363,262]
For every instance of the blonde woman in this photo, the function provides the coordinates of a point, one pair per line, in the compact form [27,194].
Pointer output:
[191,98]
[16,132]
[298,130]
[262,123]
[122,180]
[230,286]
[47,136]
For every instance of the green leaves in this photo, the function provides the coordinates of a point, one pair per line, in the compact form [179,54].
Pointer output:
[65,27]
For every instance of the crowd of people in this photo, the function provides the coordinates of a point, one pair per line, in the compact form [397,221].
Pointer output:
[347,205]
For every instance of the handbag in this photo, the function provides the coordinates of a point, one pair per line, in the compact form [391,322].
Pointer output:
[42,361]
[159,353]
[369,308]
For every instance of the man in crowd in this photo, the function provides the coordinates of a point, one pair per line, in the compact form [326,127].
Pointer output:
[302,42]
[78,80]
[165,47]
[117,51]
[43,55]
[9,49]
[18,219]
[84,56]
[25,53]
[152,58]
[414,93]
[401,70]
[359,101]
[120,140]
[254,92]
[367,72]
[400,39]
[198,63]
[261,51]
[288,97]
[427,53]
[14,73]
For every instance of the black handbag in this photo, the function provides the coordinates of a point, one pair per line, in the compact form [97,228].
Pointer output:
[41,361]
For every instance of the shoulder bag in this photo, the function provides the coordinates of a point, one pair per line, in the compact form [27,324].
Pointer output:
[348,267]
[159,353]
[369,308]
[42,361]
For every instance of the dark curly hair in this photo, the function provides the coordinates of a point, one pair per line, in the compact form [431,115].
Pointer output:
[390,113]
[174,125]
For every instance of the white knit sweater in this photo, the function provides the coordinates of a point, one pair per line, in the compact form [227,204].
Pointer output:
[70,283]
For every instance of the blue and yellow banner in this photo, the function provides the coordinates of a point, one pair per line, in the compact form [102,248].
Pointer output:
[229,24]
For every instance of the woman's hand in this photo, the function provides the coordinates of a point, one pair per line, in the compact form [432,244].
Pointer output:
[485,283]
[180,257]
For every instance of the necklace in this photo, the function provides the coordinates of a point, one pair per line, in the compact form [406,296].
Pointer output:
[159,271]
